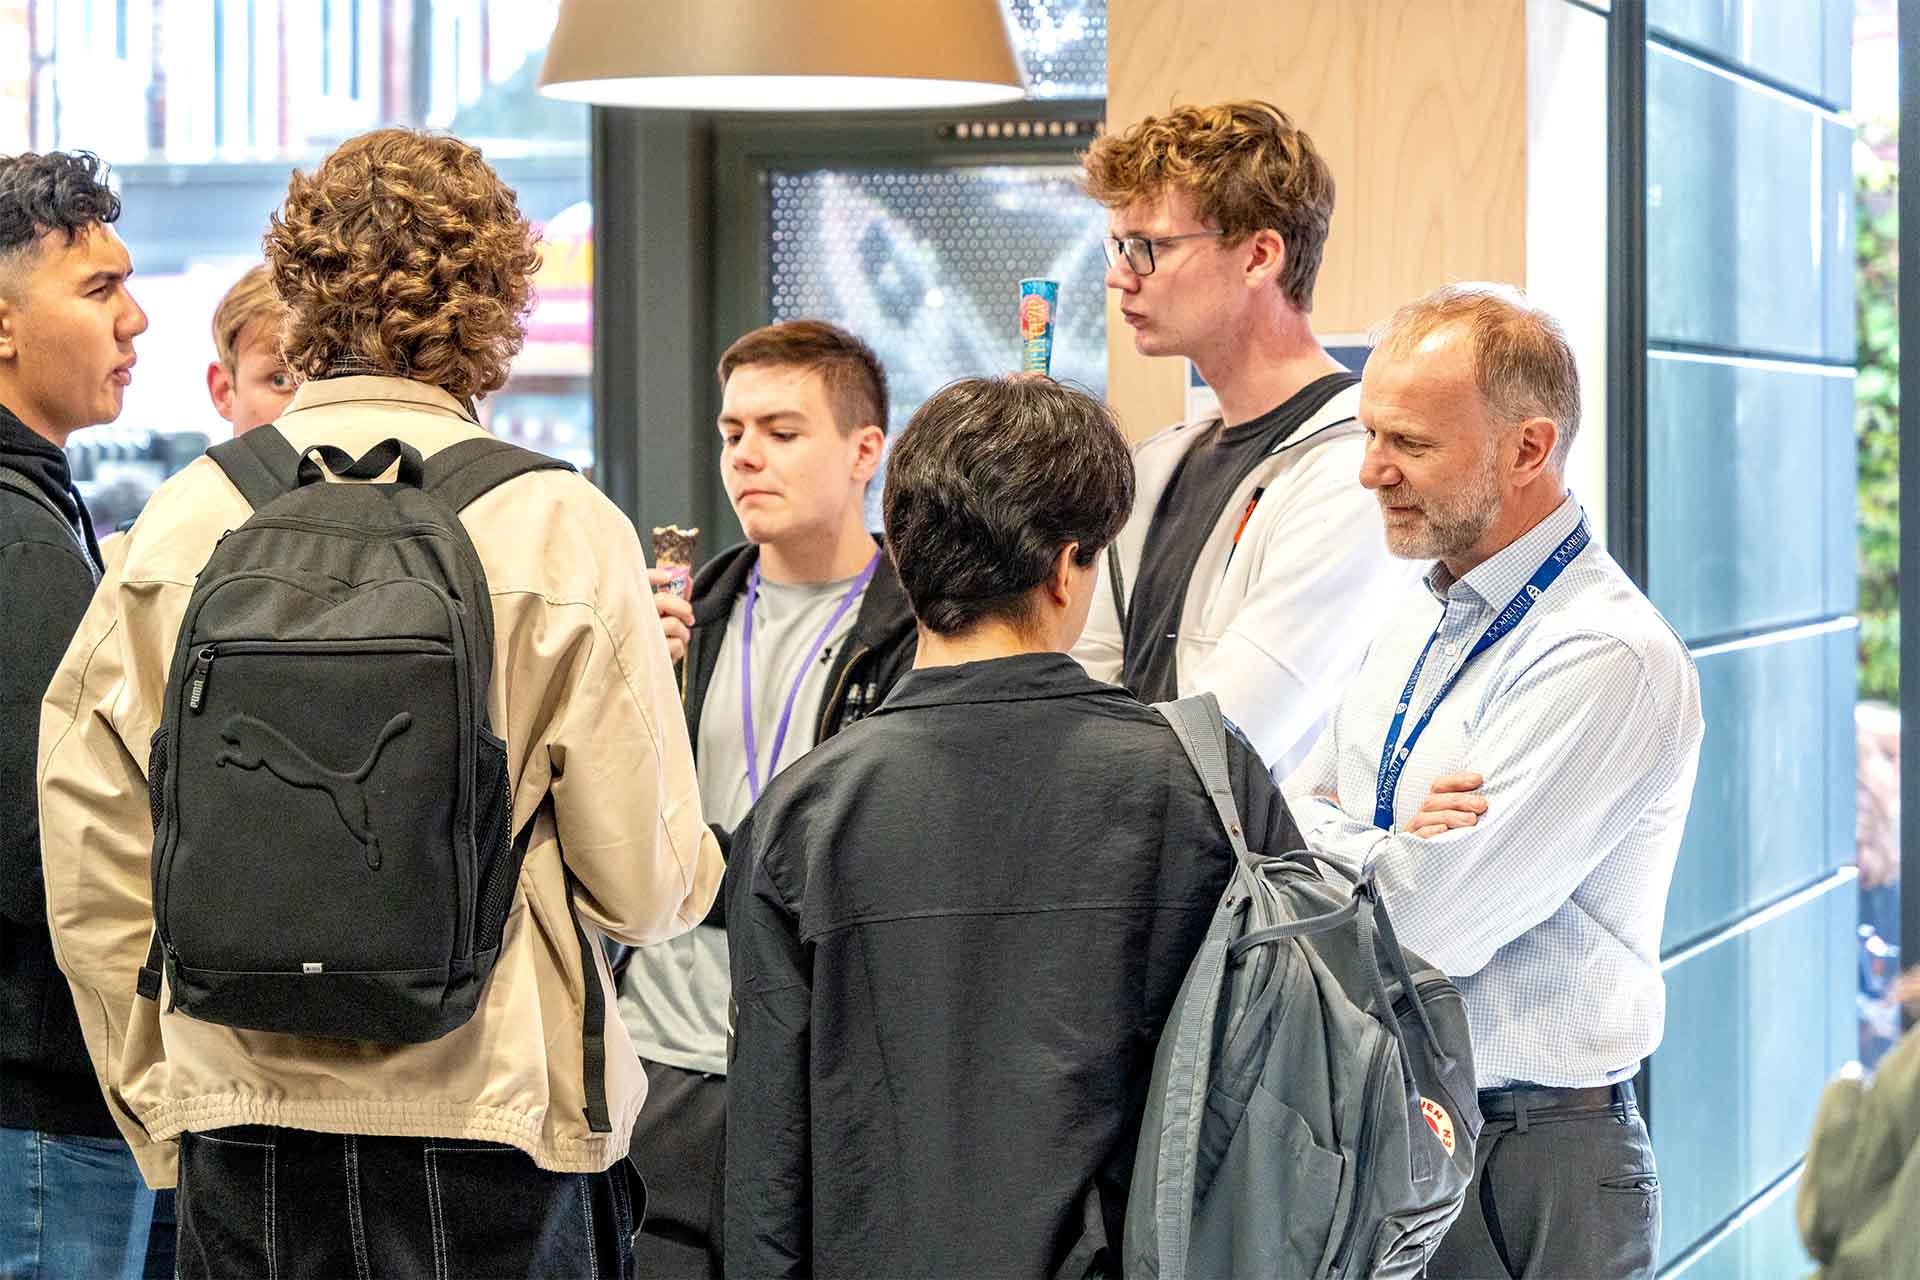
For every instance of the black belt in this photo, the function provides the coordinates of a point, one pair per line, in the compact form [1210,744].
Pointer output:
[1526,1103]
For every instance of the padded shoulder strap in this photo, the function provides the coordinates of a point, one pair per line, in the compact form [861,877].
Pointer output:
[19,483]
[1196,722]
[1117,583]
[261,464]
[461,473]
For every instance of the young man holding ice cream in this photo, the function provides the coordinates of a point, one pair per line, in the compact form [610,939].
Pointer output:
[788,638]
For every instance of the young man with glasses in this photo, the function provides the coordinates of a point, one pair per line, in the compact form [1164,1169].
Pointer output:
[1253,565]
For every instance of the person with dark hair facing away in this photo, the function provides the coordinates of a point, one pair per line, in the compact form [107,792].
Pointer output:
[495,1147]
[71,1199]
[807,619]
[958,926]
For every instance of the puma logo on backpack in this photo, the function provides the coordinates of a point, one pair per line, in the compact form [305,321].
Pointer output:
[254,743]
[334,849]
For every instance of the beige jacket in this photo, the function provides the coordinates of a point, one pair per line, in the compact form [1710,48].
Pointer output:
[584,694]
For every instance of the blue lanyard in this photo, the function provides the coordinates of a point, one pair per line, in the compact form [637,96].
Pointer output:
[1393,755]
[746,673]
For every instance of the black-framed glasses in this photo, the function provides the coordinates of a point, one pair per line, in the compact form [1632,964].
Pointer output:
[1137,251]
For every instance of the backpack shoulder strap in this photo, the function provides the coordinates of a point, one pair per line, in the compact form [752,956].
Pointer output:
[18,482]
[460,473]
[1196,722]
[1117,584]
[261,464]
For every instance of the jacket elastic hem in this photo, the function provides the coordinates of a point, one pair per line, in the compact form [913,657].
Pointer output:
[411,1119]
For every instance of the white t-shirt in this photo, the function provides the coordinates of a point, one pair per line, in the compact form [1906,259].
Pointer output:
[673,998]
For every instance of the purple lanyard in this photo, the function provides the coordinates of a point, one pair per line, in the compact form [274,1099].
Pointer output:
[746,672]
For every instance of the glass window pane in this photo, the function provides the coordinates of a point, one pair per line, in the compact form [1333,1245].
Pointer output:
[202,109]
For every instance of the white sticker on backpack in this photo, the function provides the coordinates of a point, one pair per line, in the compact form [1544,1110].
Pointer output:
[1439,1121]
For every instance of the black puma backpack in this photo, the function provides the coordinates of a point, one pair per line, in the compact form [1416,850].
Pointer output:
[333,849]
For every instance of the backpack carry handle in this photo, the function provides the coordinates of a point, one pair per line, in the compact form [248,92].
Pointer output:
[1400,969]
[371,465]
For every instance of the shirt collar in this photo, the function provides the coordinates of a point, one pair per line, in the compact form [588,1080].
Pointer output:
[1020,678]
[362,388]
[1499,577]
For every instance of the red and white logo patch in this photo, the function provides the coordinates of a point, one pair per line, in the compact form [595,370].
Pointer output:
[1439,1121]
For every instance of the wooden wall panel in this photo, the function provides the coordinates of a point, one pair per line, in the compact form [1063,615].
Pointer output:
[1420,107]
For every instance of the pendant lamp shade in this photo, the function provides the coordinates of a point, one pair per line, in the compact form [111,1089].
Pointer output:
[782,55]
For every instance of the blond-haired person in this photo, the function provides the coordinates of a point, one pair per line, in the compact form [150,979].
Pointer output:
[248,379]
[405,265]
[1253,562]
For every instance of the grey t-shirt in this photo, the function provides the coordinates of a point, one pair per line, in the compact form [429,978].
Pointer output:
[674,996]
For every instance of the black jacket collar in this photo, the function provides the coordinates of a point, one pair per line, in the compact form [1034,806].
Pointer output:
[1023,677]
[884,611]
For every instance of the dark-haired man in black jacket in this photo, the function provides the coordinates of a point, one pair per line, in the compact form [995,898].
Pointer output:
[71,1200]
[959,926]
[788,638]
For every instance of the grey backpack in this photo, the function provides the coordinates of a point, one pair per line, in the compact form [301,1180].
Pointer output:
[1310,1115]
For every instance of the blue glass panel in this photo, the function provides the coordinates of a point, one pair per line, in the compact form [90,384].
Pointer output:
[1779,724]
[1750,504]
[1755,1027]
[1766,1246]
[1749,242]
[1802,43]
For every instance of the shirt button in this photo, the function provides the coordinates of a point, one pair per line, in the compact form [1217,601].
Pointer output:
[1452,649]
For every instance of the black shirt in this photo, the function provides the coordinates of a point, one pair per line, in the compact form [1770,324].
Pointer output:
[48,566]
[1191,508]
[957,928]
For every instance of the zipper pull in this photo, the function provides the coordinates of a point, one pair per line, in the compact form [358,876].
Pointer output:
[202,668]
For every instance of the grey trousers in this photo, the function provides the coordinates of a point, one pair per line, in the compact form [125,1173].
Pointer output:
[1559,1192]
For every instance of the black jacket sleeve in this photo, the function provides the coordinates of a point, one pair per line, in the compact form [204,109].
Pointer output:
[717,913]
[1264,815]
[44,590]
[769,1121]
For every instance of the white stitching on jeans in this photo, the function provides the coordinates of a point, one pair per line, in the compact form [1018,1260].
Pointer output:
[362,1268]
[434,1214]
[273,1254]
[586,1208]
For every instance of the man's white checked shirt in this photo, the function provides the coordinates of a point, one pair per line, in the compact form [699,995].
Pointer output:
[1585,722]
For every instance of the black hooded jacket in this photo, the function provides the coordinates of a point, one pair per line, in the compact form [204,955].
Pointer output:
[879,651]
[49,565]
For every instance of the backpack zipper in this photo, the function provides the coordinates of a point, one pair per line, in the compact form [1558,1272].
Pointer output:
[839,689]
[1363,1153]
[197,687]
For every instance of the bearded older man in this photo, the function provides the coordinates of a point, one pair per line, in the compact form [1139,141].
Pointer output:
[1515,761]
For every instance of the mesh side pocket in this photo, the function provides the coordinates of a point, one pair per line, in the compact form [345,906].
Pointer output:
[157,779]
[493,842]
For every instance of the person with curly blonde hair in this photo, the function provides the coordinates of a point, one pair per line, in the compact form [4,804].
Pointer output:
[1253,558]
[497,1148]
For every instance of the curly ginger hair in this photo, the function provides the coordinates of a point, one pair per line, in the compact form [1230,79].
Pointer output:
[1245,166]
[404,254]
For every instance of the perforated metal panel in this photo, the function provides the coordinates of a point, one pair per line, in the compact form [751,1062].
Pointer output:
[1064,45]
[925,264]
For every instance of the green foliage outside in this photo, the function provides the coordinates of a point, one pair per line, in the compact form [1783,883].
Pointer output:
[1877,409]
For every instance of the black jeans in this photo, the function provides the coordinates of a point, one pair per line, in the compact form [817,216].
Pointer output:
[1558,1191]
[273,1204]
[679,1147]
